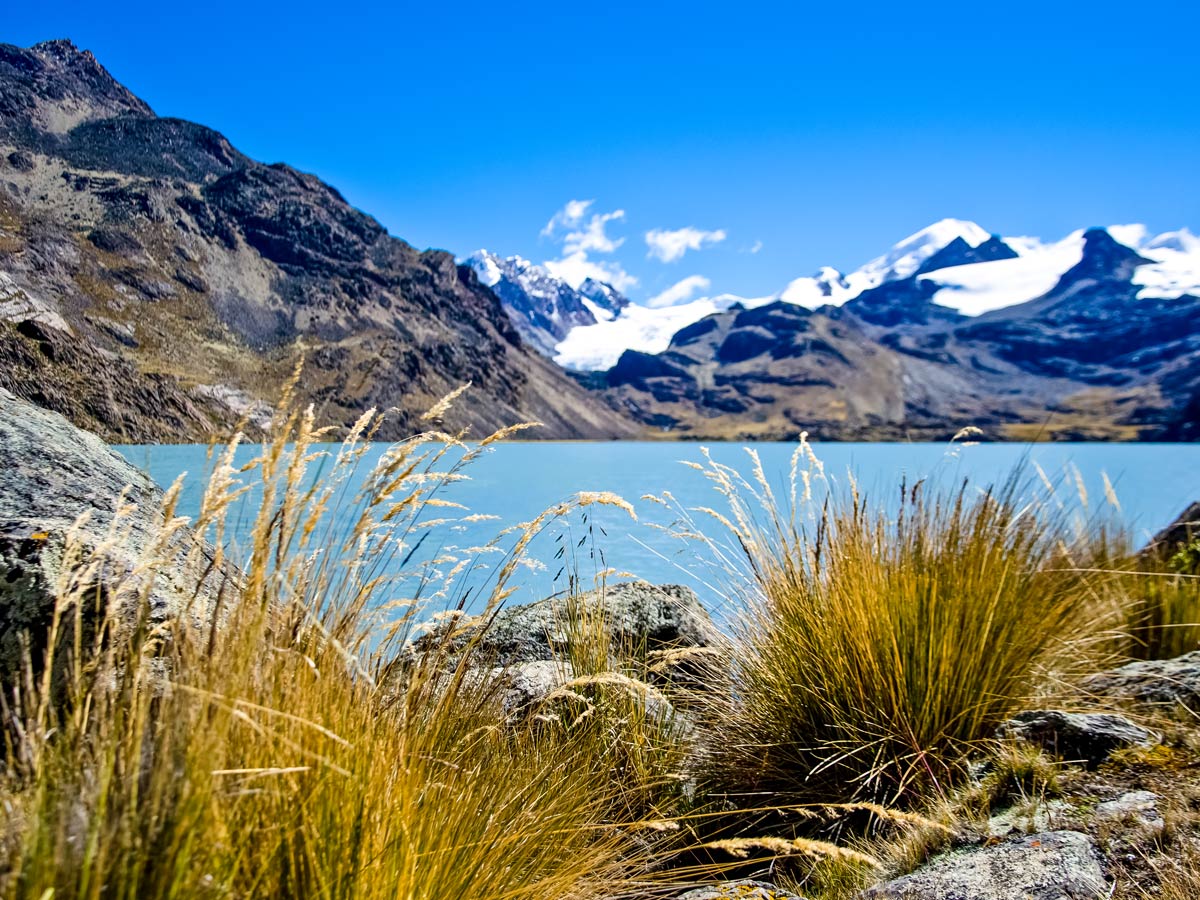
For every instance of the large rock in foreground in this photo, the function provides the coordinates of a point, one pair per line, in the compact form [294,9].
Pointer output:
[1055,865]
[51,475]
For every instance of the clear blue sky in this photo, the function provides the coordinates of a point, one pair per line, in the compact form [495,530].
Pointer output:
[820,132]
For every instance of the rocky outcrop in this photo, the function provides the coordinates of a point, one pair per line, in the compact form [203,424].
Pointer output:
[1056,865]
[60,533]
[1160,682]
[636,618]
[1183,531]
[1076,737]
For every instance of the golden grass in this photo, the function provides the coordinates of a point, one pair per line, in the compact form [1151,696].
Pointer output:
[878,650]
[277,735]
[261,740]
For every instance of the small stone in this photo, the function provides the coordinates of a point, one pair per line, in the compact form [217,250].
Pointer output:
[746,889]
[1159,682]
[1135,808]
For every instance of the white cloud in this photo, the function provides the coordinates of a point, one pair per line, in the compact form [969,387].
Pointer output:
[574,268]
[672,245]
[567,217]
[592,237]
[757,246]
[579,236]
[679,292]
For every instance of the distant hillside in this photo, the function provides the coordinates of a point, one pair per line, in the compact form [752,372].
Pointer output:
[156,284]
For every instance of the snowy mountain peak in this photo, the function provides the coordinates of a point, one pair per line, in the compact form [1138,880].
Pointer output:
[544,308]
[1181,241]
[906,257]
[486,266]
[604,295]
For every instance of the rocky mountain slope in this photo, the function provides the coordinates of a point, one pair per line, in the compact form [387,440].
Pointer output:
[157,284]
[1089,338]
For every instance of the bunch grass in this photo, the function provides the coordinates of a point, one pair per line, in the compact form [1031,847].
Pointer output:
[879,648]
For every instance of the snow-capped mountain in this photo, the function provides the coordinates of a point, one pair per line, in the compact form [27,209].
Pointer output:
[952,268]
[544,309]
[1093,336]
[975,272]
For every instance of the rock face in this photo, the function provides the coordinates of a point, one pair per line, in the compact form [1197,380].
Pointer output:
[636,617]
[1159,682]
[53,474]
[1055,865]
[149,271]
[1180,533]
[1088,737]
[746,888]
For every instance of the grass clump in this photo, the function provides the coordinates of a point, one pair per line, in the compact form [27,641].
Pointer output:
[881,648]
[273,736]
[1164,612]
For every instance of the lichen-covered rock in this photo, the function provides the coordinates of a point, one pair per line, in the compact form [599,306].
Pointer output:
[1135,811]
[525,686]
[59,492]
[637,617]
[1055,865]
[1157,682]
[745,889]
[1090,737]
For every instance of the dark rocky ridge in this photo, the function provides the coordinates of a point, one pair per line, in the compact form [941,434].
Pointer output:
[156,284]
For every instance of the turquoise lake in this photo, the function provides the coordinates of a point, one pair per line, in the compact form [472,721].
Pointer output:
[515,482]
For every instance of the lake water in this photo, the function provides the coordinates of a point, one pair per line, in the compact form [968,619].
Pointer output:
[516,481]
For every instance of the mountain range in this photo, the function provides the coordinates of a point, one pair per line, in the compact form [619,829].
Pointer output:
[1094,336]
[157,284]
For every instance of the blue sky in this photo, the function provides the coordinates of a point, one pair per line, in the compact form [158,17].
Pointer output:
[815,134]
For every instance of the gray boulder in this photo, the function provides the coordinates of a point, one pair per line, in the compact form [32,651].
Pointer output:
[524,686]
[746,889]
[1055,865]
[637,617]
[51,474]
[1184,529]
[1158,682]
[1088,737]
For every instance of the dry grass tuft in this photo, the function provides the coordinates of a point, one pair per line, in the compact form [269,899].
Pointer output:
[879,648]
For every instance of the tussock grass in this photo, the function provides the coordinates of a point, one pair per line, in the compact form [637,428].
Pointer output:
[881,648]
[1164,616]
[262,741]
